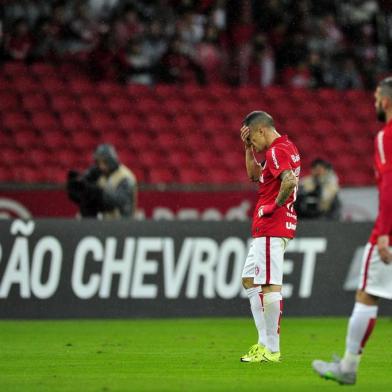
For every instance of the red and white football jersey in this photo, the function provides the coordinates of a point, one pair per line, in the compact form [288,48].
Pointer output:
[383,169]
[281,155]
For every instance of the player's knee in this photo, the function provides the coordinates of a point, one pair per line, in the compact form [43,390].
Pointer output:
[271,288]
[365,298]
[247,283]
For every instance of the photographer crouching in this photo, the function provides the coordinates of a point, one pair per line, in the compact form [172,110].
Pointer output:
[107,190]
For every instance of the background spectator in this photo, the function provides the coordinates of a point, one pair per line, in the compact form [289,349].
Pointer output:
[107,189]
[19,42]
[298,43]
[318,193]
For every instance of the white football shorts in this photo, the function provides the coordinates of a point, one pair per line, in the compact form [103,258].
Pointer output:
[264,262]
[376,276]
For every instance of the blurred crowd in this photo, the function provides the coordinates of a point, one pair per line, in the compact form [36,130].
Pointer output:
[300,43]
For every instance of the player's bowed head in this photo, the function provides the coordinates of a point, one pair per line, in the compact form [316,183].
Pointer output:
[259,130]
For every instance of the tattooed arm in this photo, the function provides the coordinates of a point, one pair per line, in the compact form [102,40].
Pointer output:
[287,186]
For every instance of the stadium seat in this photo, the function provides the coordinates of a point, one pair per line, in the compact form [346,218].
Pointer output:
[156,122]
[249,94]
[35,102]
[161,175]
[170,133]
[146,106]
[176,106]
[103,122]
[207,159]
[138,141]
[92,103]
[14,120]
[15,69]
[26,138]
[11,155]
[38,157]
[26,84]
[53,140]
[110,89]
[119,105]
[186,123]
[53,85]
[138,91]
[193,175]
[166,92]
[167,140]
[73,121]
[64,103]
[6,174]
[8,101]
[153,158]
[130,121]
[192,92]
[43,70]
[26,174]
[220,176]
[44,120]
[81,86]
[179,157]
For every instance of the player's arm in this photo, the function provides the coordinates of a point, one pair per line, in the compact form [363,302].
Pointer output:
[288,183]
[253,168]
[385,218]
[287,186]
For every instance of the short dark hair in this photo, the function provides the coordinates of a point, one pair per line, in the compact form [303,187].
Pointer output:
[320,162]
[259,116]
[386,87]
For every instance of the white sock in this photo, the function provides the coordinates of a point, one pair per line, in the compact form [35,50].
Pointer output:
[273,305]
[359,329]
[256,305]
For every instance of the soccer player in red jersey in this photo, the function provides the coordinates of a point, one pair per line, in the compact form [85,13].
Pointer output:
[274,224]
[376,274]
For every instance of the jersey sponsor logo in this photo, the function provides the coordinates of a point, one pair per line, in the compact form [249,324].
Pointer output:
[295,158]
[290,226]
[274,158]
[290,215]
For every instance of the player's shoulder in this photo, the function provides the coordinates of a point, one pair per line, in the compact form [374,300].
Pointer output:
[283,152]
[383,137]
[284,147]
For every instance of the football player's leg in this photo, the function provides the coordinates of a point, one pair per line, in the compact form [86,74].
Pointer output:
[360,327]
[271,279]
[256,304]
[273,306]
[364,314]
[253,290]
[362,320]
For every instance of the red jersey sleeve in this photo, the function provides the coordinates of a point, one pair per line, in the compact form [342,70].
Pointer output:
[383,147]
[385,209]
[278,160]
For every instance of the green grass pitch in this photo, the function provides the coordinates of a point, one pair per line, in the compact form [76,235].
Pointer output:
[178,355]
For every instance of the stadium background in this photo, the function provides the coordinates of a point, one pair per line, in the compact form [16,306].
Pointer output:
[168,84]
